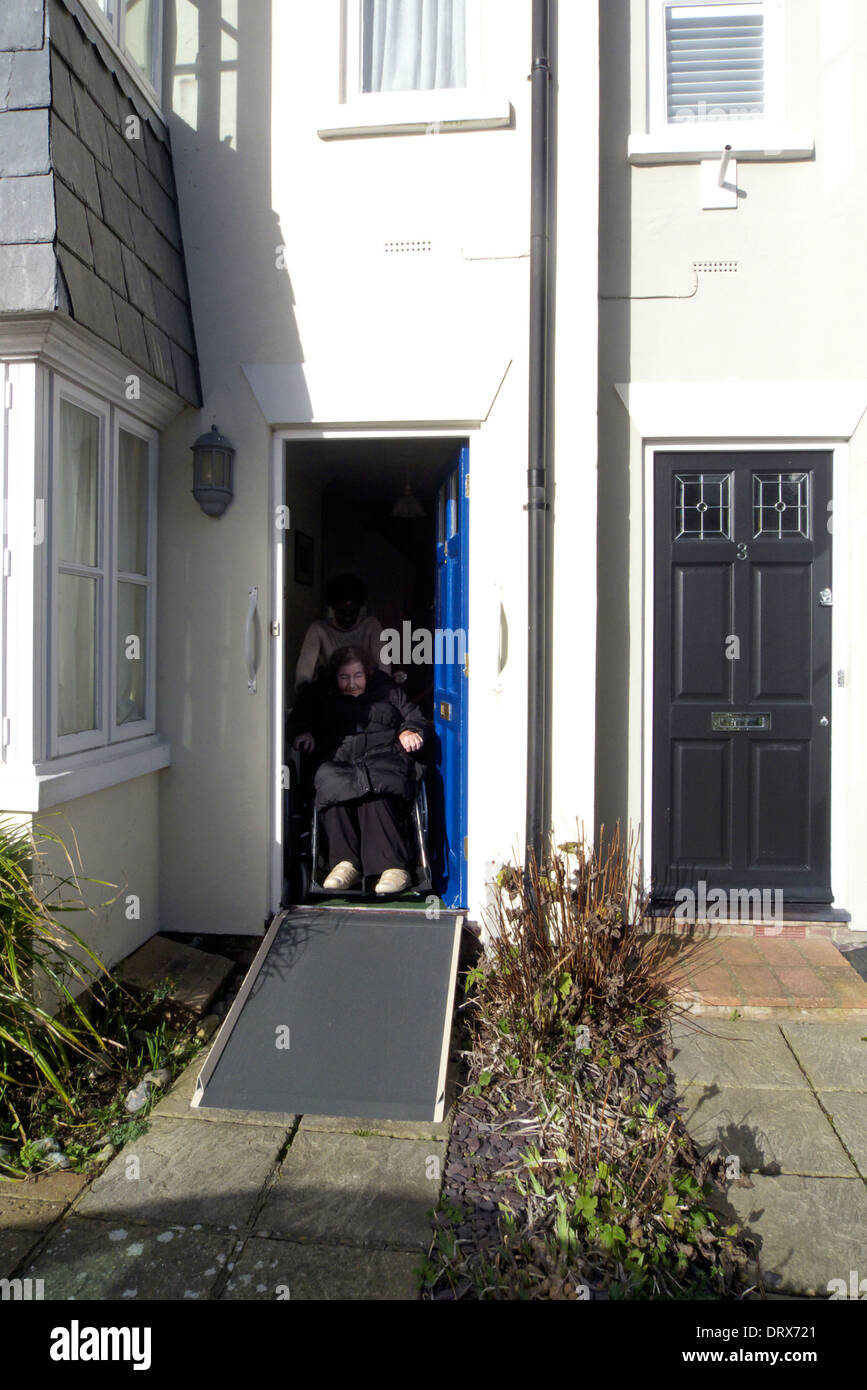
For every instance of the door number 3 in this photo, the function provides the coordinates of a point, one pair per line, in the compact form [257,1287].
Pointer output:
[742,551]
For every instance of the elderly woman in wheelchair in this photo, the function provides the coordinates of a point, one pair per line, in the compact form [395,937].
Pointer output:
[362,731]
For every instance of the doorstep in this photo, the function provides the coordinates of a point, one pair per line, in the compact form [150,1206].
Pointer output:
[802,930]
[764,977]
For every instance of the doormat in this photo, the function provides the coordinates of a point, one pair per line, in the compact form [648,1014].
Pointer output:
[344,1012]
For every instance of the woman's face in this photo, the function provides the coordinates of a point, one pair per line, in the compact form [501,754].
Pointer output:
[351,679]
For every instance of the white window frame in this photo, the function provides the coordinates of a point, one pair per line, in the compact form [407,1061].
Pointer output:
[139,728]
[353,49]
[87,738]
[765,137]
[423,111]
[774,67]
[107,733]
[114,26]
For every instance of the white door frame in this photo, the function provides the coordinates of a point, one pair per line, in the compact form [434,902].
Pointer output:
[840,620]
[276,683]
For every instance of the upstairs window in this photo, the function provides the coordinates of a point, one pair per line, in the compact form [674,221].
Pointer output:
[413,45]
[712,63]
[136,27]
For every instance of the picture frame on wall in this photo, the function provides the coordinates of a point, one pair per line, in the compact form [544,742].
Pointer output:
[303,558]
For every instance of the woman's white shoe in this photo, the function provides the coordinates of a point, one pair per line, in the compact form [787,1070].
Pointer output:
[343,875]
[392,881]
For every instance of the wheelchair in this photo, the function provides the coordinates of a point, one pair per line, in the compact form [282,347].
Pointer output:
[305,865]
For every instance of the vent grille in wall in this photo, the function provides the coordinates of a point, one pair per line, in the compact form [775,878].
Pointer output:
[715,267]
[407,248]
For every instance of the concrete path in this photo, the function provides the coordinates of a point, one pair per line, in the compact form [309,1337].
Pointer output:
[785,1105]
[215,1204]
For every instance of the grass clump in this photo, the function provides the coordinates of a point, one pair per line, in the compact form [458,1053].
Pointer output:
[73,1040]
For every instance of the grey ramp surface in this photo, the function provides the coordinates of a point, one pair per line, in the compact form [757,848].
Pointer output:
[363,998]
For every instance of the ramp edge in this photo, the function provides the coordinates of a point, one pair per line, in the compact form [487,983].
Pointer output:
[225,1032]
[440,1093]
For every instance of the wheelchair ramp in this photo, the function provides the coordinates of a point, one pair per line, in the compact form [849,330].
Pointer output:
[344,1012]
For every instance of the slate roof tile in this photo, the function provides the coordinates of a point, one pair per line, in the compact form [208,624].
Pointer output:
[160,351]
[90,298]
[61,89]
[22,24]
[107,260]
[27,208]
[74,163]
[90,123]
[132,336]
[72,228]
[24,80]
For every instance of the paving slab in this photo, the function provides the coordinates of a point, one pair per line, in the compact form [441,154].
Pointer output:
[188,1173]
[176,1105]
[834,1056]
[22,1226]
[783,1131]
[394,1129]
[746,1052]
[15,1246]
[808,1230]
[848,1111]
[276,1269]
[60,1186]
[346,1189]
[100,1260]
[197,974]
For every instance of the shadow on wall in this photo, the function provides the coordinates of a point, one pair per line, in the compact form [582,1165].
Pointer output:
[218,95]
[614,513]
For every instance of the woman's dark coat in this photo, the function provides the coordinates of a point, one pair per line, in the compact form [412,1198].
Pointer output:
[356,745]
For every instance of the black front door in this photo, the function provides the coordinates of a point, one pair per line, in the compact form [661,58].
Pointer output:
[742,678]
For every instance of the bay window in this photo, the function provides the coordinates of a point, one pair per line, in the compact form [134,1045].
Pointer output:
[102,571]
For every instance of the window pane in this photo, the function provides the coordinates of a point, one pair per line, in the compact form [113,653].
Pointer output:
[139,35]
[702,505]
[131,652]
[715,62]
[413,45]
[78,485]
[76,653]
[132,504]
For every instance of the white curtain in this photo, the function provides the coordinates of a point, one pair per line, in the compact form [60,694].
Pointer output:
[77,462]
[413,45]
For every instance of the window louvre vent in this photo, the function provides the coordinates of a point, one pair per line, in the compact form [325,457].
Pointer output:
[407,248]
[715,62]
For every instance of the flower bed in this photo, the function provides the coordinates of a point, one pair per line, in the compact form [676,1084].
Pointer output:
[569,1173]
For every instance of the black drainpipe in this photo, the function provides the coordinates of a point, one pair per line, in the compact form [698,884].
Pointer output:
[541,308]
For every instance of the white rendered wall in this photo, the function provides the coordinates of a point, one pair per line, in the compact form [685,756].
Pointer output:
[111,836]
[285,235]
[792,313]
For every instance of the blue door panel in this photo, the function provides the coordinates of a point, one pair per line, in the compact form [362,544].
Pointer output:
[450,679]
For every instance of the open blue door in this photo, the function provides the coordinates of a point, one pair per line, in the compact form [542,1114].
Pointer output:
[450,674]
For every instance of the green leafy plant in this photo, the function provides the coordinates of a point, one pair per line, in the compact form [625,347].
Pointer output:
[44,966]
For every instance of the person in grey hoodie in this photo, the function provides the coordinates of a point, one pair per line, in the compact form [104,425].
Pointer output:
[345,596]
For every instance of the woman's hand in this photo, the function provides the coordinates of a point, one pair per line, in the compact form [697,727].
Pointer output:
[410,741]
[304,743]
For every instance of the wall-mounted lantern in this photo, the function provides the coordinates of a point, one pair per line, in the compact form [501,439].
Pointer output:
[213,464]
